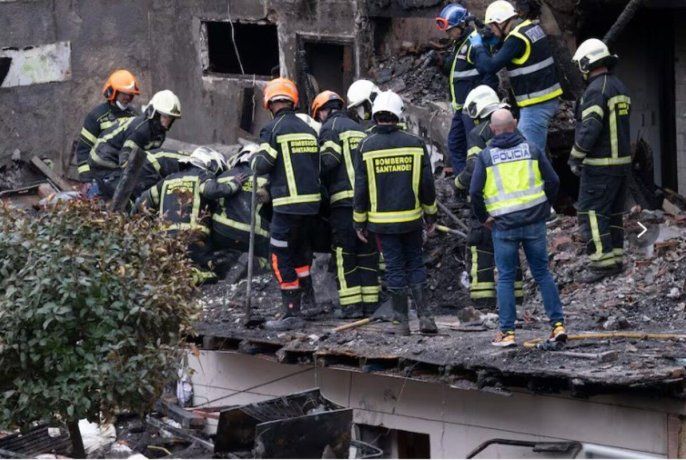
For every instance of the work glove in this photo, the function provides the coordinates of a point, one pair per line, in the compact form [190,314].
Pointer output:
[575,165]
[475,39]
[460,191]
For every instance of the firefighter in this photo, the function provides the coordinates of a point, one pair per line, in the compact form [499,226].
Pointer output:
[232,216]
[289,154]
[480,103]
[394,192]
[463,77]
[357,262]
[361,95]
[511,190]
[158,164]
[119,90]
[601,157]
[183,200]
[145,132]
[527,56]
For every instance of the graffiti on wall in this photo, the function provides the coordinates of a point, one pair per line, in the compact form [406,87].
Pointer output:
[35,64]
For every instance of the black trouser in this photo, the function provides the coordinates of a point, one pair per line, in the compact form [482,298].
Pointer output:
[221,242]
[290,244]
[482,266]
[356,262]
[600,209]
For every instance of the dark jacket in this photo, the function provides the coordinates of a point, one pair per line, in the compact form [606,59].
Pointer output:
[463,75]
[536,213]
[602,140]
[102,117]
[394,185]
[289,154]
[338,140]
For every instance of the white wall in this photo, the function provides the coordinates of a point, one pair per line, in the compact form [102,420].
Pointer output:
[456,420]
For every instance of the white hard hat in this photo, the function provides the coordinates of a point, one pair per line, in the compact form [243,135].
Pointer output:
[499,12]
[590,52]
[482,101]
[207,158]
[388,101]
[244,155]
[164,102]
[311,122]
[362,91]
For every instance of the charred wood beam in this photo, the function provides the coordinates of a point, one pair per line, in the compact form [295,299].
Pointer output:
[622,21]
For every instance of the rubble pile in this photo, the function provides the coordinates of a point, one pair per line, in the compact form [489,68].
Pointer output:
[414,72]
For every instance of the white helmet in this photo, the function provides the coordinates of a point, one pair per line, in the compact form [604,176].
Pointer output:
[499,12]
[481,102]
[388,101]
[164,102]
[206,158]
[362,91]
[311,122]
[244,156]
[589,54]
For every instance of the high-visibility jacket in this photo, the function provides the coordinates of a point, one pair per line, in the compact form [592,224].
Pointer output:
[603,135]
[158,164]
[184,199]
[289,153]
[112,149]
[232,215]
[102,117]
[394,185]
[338,141]
[533,76]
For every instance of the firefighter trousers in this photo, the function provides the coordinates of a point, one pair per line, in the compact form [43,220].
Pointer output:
[290,244]
[482,267]
[600,212]
[357,262]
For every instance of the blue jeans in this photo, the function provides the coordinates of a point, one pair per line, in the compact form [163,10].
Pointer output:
[534,121]
[404,259]
[506,245]
[457,140]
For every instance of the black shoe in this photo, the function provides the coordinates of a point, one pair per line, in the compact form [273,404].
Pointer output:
[595,275]
[308,300]
[369,308]
[427,325]
[290,317]
[400,324]
[354,311]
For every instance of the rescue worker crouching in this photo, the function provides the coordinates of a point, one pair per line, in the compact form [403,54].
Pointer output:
[526,54]
[463,77]
[119,90]
[289,155]
[602,158]
[357,261]
[183,201]
[480,103]
[231,217]
[394,191]
[144,132]
[158,164]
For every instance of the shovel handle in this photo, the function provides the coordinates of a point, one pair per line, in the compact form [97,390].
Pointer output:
[352,325]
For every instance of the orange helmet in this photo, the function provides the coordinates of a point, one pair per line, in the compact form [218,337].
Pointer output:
[121,81]
[322,99]
[280,89]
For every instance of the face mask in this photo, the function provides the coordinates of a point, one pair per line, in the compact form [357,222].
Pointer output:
[361,112]
[122,106]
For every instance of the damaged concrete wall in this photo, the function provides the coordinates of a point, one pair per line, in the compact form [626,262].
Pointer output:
[45,118]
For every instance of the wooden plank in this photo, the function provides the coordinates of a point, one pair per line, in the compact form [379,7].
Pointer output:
[56,180]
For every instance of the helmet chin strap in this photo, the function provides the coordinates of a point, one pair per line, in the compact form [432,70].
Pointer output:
[121,106]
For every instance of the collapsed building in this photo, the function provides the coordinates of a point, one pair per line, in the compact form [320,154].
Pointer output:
[415,397]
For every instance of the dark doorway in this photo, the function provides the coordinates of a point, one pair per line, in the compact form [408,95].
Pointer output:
[389,443]
[324,65]
[257,46]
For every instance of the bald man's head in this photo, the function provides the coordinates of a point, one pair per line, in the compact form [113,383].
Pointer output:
[502,121]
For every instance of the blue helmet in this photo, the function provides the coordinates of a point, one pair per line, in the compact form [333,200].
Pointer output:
[451,16]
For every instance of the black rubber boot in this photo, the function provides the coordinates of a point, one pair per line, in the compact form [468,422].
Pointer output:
[308,300]
[400,324]
[354,311]
[290,317]
[369,308]
[427,325]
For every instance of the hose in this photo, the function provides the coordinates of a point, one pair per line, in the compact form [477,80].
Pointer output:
[614,335]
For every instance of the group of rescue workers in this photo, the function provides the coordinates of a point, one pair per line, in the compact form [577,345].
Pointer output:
[353,170]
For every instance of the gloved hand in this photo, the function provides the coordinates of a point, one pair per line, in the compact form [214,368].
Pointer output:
[240,179]
[575,165]
[263,195]
[460,192]
[475,39]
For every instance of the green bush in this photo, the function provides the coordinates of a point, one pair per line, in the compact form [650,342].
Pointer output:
[93,310]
